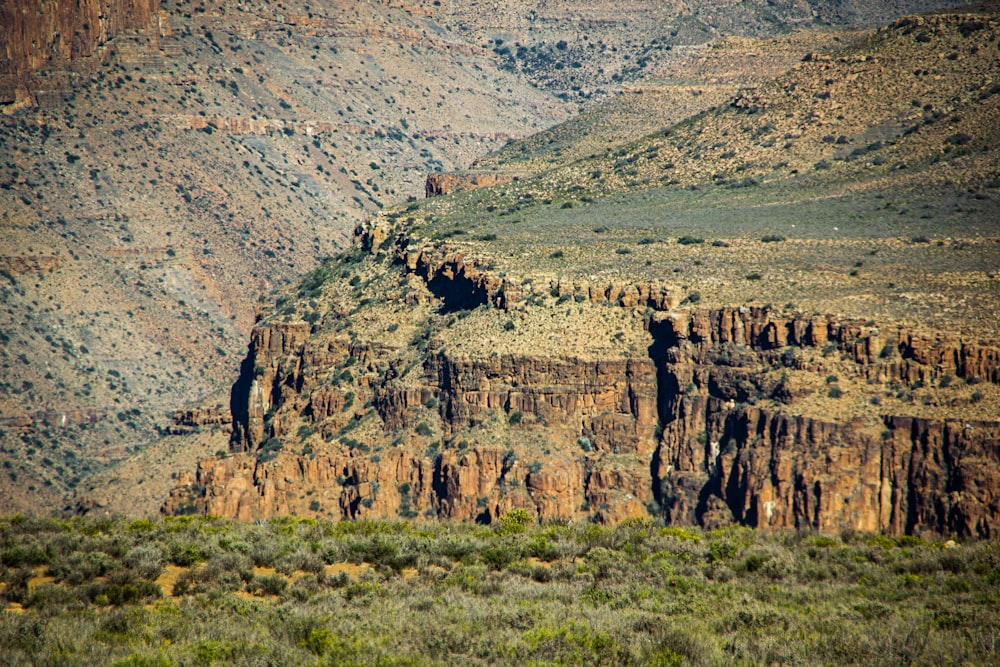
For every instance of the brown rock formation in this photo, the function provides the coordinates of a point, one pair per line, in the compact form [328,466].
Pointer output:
[452,275]
[782,471]
[446,184]
[689,427]
[276,357]
[775,469]
[185,420]
[41,42]
[30,264]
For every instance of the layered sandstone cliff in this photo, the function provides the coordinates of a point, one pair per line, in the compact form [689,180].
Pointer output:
[446,184]
[776,468]
[720,416]
[45,44]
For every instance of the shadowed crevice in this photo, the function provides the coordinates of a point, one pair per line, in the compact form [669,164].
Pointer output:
[457,293]
[664,338]
[239,404]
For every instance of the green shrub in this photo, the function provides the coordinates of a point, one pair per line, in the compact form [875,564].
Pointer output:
[145,561]
[626,595]
[208,652]
[514,521]
[186,554]
[320,641]
[52,597]
[269,450]
[269,585]
[499,556]
[24,555]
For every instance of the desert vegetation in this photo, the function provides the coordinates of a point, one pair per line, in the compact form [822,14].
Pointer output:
[201,591]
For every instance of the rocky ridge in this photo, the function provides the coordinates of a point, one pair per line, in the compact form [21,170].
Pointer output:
[514,360]
[707,421]
[166,164]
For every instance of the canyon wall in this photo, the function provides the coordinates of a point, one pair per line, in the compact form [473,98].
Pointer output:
[711,424]
[446,184]
[46,43]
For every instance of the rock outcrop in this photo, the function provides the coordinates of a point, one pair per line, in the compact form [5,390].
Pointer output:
[775,470]
[45,43]
[190,419]
[710,424]
[446,184]
[30,264]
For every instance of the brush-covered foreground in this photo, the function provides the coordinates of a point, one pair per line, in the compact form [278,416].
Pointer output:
[200,591]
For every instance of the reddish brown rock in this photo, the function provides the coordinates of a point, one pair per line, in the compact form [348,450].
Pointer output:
[779,471]
[42,40]
[697,428]
[446,184]
[30,264]
[183,421]
[270,372]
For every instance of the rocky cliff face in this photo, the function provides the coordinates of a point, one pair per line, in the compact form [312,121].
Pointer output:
[775,468]
[446,184]
[716,416]
[45,43]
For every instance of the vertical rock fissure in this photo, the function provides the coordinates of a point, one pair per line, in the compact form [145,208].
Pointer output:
[239,404]
[664,338]
[917,440]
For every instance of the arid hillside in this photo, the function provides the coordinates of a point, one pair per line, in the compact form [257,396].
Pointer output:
[776,312]
[169,176]
[583,50]
[167,164]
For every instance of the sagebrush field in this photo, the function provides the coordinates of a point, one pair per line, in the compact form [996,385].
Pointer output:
[202,591]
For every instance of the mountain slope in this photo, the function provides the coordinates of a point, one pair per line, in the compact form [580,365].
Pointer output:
[583,50]
[193,168]
[663,330]
[166,164]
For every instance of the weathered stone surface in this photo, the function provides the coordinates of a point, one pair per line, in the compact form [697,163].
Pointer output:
[52,36]
[192,418]
[30,264]
[446,184]
[781,471]
[270,371]
[702,426]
